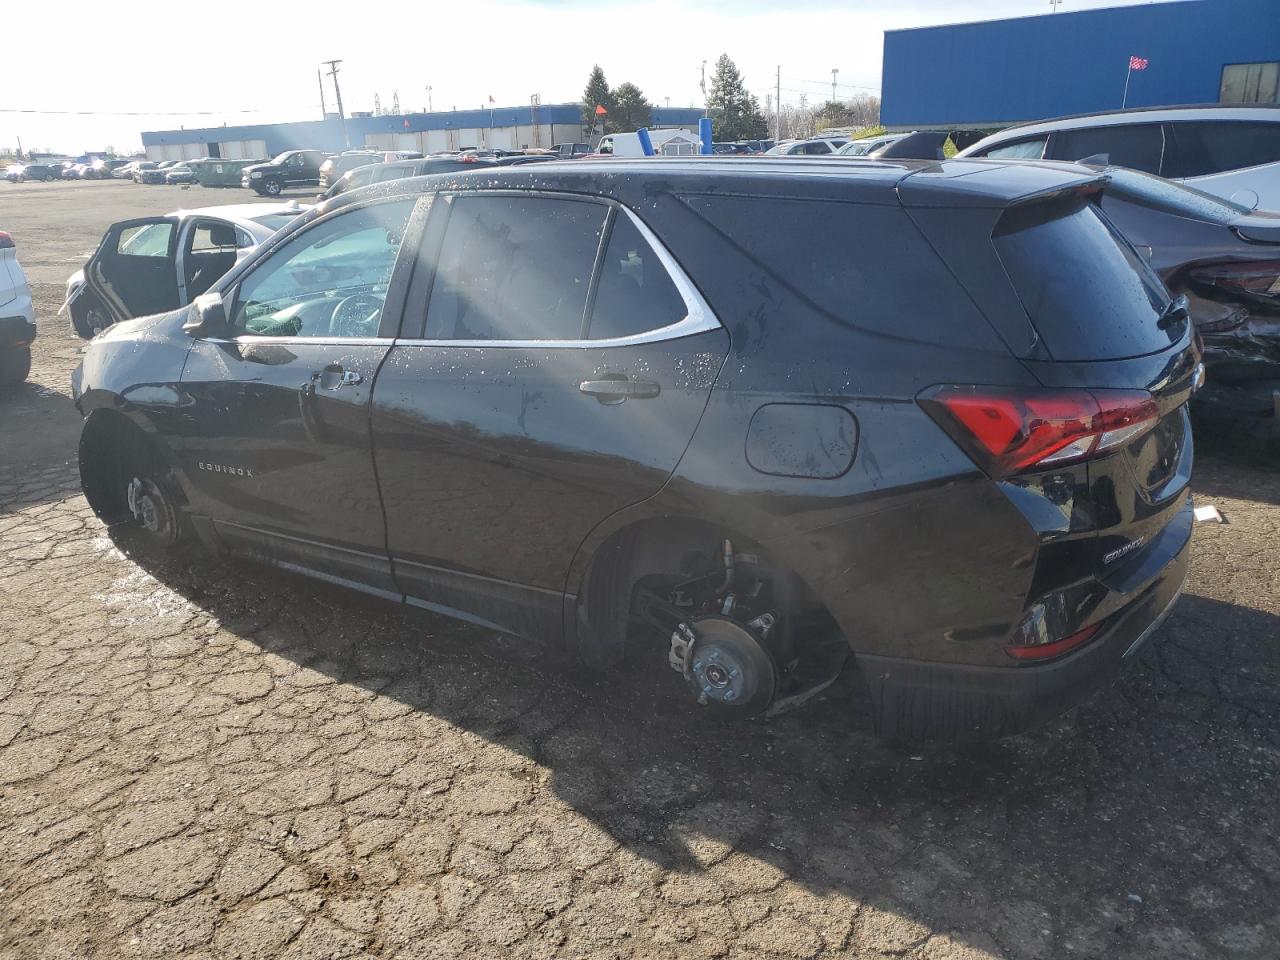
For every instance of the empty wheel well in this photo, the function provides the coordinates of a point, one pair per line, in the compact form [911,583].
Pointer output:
[111,446]
[658,554]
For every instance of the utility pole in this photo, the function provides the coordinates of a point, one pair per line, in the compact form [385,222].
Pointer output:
[337,93]
[324,111]
[703,84]
[1055,4]
[430,109]
[835,72]
[668,101]
[777,132]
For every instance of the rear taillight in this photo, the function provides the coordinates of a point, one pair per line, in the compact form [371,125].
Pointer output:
[1009,431]
[6,241]
[1258,278]
[1054,648]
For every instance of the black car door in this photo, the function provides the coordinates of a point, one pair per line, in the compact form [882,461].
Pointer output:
[275,434]
[134,272]
[555,375]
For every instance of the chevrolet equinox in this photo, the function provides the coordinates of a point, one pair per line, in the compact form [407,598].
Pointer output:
[928,415]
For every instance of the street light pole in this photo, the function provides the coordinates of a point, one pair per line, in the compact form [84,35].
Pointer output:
[337,93]
[835,71]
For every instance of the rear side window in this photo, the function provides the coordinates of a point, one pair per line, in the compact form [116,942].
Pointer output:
[1139,146]
[1213,146]
[515,268]
[635,293]
[1090,296]
[148,240]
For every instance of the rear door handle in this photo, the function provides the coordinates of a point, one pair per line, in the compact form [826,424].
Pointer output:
[620,389]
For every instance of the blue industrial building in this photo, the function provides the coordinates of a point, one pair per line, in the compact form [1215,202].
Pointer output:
[991,74]
[510,128]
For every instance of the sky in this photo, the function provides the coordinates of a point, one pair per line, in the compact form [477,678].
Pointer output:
[188,66]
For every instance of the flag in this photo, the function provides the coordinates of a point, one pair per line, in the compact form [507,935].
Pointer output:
[491,99]
[1138,63]
[600,110]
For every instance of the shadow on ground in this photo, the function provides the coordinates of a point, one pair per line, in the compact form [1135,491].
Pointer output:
[1137,811]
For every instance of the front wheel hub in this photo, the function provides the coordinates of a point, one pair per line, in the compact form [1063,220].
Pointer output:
[150,509]
[726,665]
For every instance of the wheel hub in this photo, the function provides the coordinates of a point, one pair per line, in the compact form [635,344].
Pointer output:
[726,665]
[146,505]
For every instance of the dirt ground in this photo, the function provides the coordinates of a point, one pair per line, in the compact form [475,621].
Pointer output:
[203,760]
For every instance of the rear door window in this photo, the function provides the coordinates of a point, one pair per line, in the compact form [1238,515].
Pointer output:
[1086,290]
[1214,146]
[515,268]
[1139,146]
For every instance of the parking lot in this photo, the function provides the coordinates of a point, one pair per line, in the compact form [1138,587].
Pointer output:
[209,760]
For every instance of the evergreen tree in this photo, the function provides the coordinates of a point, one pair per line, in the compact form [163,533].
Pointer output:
[597,94]
[631,110]
[734,110]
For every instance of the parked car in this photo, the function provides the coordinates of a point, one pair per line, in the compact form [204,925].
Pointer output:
[103,169]
[1231,152]
[335,167]
[151,264]
[815,147]
[141,167]
[179,173]
[17,316]
[154,173]
[987,502]
[382,172]
[126,170]
[865,145]
[1226,260]
[568,151]
[22,172]
[78,171]
[293,168]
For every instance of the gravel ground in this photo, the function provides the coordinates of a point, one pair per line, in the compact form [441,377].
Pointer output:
[209,760]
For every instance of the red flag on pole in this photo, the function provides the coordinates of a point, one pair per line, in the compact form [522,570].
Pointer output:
[1138,63]
[600,110]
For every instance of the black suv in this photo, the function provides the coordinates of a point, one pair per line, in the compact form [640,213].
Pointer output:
[930,413]
[293,168]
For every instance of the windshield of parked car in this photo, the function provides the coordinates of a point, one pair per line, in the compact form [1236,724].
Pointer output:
[860,148]
[1158,192]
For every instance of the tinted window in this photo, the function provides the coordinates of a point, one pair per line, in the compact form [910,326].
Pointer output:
[514,268]
[328,281]
[1022,150]
[208,237]
[1140,146]
[1088,293]
[635,292]
[817,147]
[1212,146]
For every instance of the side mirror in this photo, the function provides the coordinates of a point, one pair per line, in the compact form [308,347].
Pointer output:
[208,317]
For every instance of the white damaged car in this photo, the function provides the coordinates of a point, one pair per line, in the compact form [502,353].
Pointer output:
[156,264]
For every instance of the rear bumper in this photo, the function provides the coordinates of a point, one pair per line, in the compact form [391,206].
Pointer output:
[921,700]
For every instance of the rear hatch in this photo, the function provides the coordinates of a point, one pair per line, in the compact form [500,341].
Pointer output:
[1103,317]
[1090,320]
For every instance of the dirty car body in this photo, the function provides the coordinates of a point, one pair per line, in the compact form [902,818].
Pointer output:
[745,419]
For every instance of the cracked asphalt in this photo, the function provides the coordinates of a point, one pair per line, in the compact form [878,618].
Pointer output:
[211,760]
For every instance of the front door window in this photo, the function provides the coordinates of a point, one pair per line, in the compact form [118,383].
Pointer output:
[328,281]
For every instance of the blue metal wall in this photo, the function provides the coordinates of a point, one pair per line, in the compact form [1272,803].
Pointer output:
[1033,68]
[327,134]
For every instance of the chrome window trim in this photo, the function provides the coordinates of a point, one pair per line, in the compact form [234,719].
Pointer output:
[699,317]
[245,339]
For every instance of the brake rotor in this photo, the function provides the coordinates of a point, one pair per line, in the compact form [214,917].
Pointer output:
[728,667]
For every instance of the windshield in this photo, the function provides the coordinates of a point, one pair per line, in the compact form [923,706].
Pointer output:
[283,157]
[1157,192]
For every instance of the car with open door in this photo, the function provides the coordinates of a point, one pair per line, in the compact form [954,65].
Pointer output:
[153,264]
[739,420]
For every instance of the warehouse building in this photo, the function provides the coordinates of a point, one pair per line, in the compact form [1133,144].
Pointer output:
[507,128]
[999,72]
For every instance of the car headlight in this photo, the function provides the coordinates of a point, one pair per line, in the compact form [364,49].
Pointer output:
[256,175]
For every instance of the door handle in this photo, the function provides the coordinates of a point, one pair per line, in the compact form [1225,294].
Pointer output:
[612,390]
[333,376]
